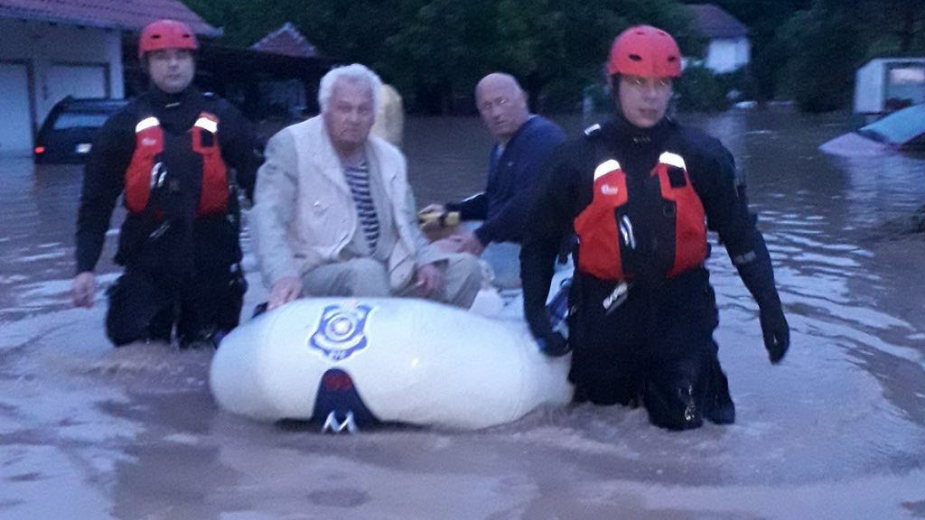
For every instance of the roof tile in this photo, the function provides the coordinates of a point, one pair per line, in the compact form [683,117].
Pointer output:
[116,14]
[714,22]
[288,41]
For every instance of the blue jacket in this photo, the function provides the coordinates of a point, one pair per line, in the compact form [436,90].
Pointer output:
[511,179]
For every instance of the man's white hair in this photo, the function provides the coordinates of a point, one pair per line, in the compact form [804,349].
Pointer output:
[354,73]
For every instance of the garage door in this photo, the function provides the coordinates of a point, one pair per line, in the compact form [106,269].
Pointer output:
[16,130]
[80,81]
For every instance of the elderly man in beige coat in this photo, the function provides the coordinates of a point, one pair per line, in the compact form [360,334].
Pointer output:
[334,214]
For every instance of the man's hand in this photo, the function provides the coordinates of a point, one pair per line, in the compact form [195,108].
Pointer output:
[432,209]
[285,290]
[429,218]
[470,243]
[436,223]
[429,279]
[776,331]
[462,241]
[83,289]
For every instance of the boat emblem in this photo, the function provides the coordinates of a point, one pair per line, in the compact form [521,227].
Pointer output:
[331,424]
[340,334]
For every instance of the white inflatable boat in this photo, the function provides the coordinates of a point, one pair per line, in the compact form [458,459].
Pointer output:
[347,362]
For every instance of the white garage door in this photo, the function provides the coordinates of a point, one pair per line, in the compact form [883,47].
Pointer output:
[80,81]
[16,130]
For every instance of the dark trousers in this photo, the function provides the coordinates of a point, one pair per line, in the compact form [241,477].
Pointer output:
[657,347]
[146,304]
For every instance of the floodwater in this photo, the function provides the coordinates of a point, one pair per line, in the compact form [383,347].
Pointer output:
[836,431]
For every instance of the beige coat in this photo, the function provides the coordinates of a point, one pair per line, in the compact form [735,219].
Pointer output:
[304,214]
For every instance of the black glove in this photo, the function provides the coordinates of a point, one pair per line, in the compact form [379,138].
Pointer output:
[755,269]
[775,329]
[553,344]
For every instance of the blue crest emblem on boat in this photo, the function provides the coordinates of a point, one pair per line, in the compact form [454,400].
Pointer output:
[340,333]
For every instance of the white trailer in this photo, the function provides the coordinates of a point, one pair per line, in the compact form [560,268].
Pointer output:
[887,84]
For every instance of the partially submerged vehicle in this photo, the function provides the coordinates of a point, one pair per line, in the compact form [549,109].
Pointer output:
[901,131]
[67,134]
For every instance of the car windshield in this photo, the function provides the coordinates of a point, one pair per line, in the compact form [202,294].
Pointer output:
[80,120]
[873,135]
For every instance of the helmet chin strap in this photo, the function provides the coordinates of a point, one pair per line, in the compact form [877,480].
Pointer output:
[613,81]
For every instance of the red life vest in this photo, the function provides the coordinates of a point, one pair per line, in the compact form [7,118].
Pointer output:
[599,230]
[147,172]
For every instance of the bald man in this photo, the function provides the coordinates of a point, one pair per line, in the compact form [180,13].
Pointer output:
[523,141]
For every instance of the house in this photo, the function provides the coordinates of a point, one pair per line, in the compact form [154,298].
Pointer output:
[887,84]
[728,46]
[55,48]
[291,95]
[288,41]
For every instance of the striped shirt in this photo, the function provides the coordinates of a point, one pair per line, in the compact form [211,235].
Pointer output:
[358,179]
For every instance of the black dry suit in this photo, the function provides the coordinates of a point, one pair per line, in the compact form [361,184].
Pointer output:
[178,160]
[642,311]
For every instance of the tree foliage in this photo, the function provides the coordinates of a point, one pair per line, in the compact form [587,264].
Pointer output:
[434,51]
[809,49]
[824,49]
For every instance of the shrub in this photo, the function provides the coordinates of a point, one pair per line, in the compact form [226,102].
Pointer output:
[702,91]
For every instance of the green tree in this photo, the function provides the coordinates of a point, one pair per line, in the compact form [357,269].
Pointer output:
[764,19]
[894,27]
[435,51]
[556,50]
[824,46]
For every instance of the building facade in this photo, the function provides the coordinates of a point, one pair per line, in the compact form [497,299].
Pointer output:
[50,50]
[728,47]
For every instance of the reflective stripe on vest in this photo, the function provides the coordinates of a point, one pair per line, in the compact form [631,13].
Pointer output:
[214,195]
[690,221]
[601,235]
[145,172]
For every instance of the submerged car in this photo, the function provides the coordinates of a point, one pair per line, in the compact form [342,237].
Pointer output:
[901,131]
[67,134]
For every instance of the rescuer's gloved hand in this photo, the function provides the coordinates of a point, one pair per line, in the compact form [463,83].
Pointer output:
[553,344]
[775,329]
[755,269]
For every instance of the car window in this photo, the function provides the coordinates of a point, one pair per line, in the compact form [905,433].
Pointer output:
[80,120]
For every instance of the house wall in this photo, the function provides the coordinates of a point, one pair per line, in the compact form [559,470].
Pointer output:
[16,109]
[62,60]
[868,88]
[727,54]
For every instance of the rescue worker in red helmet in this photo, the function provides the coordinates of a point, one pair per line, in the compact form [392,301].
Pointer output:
[178,156]
[640,192]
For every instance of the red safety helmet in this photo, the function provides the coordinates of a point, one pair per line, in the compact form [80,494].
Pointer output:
[645,51]
[166,34]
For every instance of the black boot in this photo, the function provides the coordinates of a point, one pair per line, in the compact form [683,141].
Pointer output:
[720,408]
[204,339]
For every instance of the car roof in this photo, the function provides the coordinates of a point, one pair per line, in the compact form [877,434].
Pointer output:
[93,104]
[899,127]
